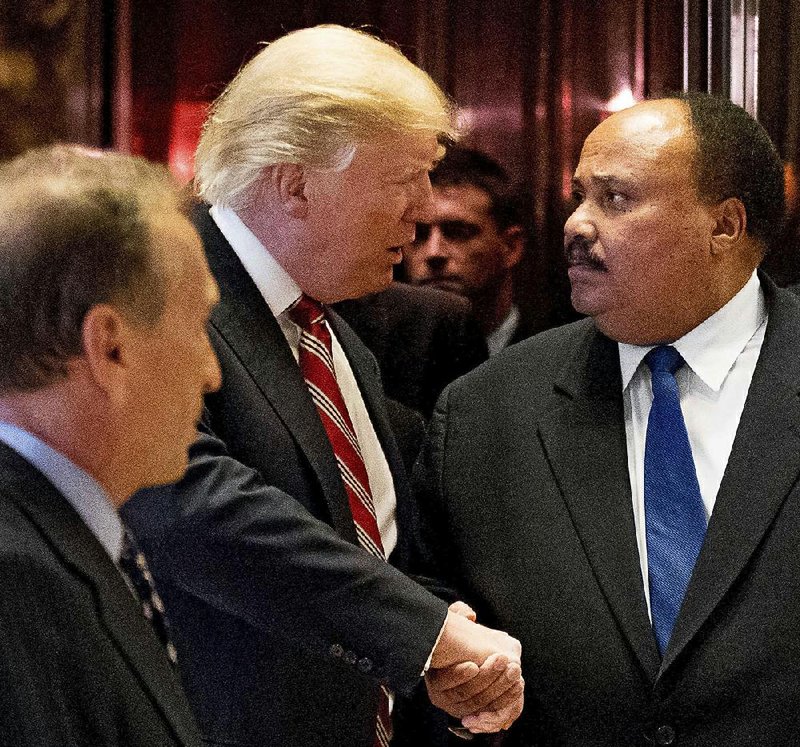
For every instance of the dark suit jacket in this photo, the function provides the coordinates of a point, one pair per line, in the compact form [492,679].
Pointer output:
[525,329]
[423,338]
[527,468]
[79,663]
[282,625]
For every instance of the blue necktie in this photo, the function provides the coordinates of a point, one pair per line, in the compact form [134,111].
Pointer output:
[674,514]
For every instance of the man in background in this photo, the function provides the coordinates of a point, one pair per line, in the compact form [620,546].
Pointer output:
[472,241]
[104,360]
[422,338]
[313,165]
[622,493]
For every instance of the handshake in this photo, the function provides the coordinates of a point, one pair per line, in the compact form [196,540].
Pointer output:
[475,673]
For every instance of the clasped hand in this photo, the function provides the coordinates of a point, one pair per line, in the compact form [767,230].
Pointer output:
[475,673]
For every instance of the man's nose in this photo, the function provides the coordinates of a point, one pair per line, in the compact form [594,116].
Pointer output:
[436,262]
[213,371]
[580,224]
[434,247]
[421,204]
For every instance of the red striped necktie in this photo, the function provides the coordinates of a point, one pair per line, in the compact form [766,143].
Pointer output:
[316,365]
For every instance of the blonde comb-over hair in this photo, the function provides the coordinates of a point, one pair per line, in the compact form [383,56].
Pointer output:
[310,97]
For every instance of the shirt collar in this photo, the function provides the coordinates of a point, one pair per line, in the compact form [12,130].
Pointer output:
[711,348]
[501,336]
[81,490]
[272,281]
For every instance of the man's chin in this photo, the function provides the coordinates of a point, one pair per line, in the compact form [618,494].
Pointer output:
[172,472]
[586,300]
[590,291]
[374,284]
[451,286]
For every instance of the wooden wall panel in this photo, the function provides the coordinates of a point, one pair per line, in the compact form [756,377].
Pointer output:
[779,111]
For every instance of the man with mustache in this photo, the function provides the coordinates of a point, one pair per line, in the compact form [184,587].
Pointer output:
[621,493]
[579,253]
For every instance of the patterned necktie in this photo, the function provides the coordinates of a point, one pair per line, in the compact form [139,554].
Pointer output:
[134,568]
[316,366]
[674,514]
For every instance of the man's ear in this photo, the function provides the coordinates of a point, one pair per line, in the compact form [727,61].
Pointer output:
[105,338]
[514,239]
[289,182]
[730,225]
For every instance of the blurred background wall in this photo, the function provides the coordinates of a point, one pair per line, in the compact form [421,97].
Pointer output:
[532,78]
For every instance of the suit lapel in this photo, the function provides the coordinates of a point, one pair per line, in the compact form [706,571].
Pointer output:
[585,443]
[763,466]
[118,612]
[246,323]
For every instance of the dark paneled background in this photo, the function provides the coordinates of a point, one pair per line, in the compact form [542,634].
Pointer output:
[53,82]
[532,78]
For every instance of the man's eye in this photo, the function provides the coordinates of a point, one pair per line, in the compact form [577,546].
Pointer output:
[458,230]
[577,197]
[615,199]
[450,230]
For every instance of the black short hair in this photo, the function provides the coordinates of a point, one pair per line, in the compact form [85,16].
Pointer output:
[467,166]
[736,158]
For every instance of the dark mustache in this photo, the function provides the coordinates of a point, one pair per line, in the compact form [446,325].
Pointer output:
[579,252]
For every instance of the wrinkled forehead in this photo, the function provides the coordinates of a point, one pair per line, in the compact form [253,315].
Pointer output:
[654,135]
[396,153]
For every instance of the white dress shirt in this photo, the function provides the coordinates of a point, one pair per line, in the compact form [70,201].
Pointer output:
[721,356]
[500,337]
[280,292]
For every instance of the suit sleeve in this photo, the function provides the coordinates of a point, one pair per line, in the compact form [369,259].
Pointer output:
[437,554]
[253,552]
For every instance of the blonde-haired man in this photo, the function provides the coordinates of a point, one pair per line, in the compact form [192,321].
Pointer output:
[314,164]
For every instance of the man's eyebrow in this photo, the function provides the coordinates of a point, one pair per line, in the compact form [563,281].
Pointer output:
[602,180]
[608,180]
